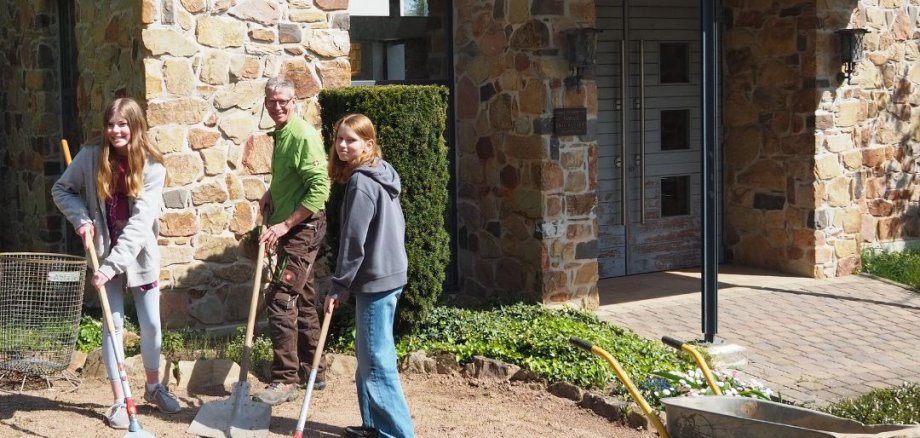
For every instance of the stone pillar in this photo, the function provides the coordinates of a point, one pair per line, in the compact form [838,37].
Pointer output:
[769,96]
[527,222]
[818,169]
[869,135]
[30,96]
[109,59]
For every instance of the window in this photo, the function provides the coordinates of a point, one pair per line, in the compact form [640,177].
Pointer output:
[675,130]
[402,41]
[675,195]
[414,8]
[674,63]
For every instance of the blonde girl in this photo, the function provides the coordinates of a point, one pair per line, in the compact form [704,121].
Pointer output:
[112,195]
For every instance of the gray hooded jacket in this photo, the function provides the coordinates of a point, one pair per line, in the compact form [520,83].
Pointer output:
[137,254]
[372,249]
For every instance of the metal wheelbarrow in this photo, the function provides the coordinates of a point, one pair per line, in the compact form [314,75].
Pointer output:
[721,416]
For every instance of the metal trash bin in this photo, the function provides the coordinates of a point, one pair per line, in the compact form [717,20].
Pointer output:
[41,295]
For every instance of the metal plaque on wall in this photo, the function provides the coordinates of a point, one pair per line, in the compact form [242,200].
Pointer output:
[570,121]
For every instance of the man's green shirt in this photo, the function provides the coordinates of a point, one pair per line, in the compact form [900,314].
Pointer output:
[298,170]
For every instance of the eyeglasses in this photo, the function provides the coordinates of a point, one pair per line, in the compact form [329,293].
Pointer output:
[278,102]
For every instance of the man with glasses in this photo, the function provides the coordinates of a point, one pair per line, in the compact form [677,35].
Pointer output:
[294,206]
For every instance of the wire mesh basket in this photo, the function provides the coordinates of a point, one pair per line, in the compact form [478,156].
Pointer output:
[41,295]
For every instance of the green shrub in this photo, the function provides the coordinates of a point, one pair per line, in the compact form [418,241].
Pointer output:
[902,267]
[410,122]
[49,336]
[897,405]
[172,341]
[261,356]
[89,334]
[537,338]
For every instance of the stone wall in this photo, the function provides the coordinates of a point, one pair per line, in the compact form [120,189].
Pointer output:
[816,168]
[769,95]
[109,59]
[868,135]
[526,198]
[30,96]
[205,65]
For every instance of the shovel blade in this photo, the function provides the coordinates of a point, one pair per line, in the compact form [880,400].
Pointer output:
[252,420]
[139,434]
[238,416]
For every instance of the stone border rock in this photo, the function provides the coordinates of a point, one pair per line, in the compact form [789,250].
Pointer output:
[484,368]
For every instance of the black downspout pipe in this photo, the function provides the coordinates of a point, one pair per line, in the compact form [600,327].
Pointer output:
[710,236]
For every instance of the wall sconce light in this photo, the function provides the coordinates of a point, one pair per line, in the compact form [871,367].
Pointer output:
[851,51]
[581,53]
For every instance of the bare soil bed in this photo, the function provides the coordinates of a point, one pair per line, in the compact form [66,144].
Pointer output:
[441,405]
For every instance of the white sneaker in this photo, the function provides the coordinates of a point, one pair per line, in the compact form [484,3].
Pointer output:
[117,416]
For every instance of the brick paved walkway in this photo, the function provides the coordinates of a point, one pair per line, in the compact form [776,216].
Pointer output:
[814,341]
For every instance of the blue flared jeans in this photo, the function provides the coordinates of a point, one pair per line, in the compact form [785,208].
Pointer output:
[380,396]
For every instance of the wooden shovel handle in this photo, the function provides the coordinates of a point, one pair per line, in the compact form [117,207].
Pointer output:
[65,148]
[253,307]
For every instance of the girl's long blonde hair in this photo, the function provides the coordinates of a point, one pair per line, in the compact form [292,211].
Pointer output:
[139,148]
[340,171]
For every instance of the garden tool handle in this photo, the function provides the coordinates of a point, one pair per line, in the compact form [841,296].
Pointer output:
[673,342]
[697,357]
[581,343]
[103,297]
[65,147]
[321,342]
[317,356]
[624,378]
[94,260]
[253,306]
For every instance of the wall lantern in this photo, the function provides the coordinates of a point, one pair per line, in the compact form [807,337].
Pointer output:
[581,53]
[851,51]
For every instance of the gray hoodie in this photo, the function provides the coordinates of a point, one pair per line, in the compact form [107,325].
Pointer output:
[136,254]
[372,249]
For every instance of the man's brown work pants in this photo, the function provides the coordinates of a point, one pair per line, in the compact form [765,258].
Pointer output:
[293,321]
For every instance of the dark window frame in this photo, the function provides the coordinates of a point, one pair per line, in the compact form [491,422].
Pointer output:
[684,74]
[681,204]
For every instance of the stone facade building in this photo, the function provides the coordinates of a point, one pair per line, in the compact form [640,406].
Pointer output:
[812,169]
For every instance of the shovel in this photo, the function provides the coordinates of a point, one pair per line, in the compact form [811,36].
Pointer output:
[238,416]
[134,426]
[317,356]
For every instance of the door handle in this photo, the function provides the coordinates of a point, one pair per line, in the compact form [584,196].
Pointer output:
[624,123]
[641,157]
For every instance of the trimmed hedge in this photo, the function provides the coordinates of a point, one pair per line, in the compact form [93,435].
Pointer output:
[410,122]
